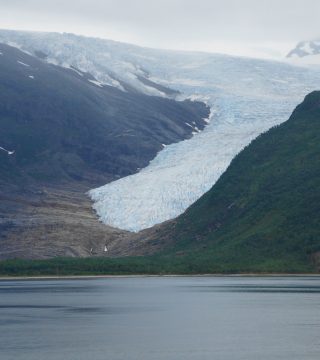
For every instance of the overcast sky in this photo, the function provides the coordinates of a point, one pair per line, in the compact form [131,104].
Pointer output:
[267,28]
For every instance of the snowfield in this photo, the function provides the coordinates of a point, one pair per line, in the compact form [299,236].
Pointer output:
[246,96]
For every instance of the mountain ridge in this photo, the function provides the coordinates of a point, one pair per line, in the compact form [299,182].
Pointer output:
[305,53]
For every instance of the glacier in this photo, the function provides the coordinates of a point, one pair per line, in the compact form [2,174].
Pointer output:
[246,96]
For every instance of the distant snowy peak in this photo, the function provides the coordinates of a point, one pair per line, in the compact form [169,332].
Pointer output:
[305,53]
[305,48]
[108,62]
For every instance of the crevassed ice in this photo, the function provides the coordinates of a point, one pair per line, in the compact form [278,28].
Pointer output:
[247,97]
[178,176]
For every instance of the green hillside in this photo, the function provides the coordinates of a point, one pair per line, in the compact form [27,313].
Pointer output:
[264,213]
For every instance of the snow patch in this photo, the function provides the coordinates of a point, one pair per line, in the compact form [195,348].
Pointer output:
[7,151]
[52,61]
[95,82]
[199,97]
[306,47]
[16,45]
[67,66]
[22,63]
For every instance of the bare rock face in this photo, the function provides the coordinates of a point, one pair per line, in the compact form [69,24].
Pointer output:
[60,222]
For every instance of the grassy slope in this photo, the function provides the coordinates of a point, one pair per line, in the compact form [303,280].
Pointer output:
[261,216]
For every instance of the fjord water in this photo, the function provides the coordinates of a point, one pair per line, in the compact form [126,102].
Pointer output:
[223,318]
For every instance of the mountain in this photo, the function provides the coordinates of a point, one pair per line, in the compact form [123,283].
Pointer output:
[246,97]
[62,133]
[305,53]
[114,85]
[111,63]
[262,216]
[64,126]
[263,212]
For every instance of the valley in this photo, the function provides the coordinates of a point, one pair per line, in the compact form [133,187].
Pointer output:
[145,133]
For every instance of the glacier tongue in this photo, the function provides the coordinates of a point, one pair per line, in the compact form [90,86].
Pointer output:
[178,176]
[247,97]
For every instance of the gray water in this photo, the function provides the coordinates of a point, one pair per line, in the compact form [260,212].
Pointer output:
[214,318]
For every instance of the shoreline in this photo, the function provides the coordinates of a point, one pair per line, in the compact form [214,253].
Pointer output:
[89,277]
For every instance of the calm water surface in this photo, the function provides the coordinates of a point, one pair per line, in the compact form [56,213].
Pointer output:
[206,318]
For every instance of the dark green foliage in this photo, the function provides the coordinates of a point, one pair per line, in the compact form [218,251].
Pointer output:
[264,212]
[152,265]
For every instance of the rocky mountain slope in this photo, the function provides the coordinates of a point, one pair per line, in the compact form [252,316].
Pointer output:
[62,133]
[62,126]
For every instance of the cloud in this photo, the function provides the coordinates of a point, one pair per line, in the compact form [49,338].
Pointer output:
[183,24]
